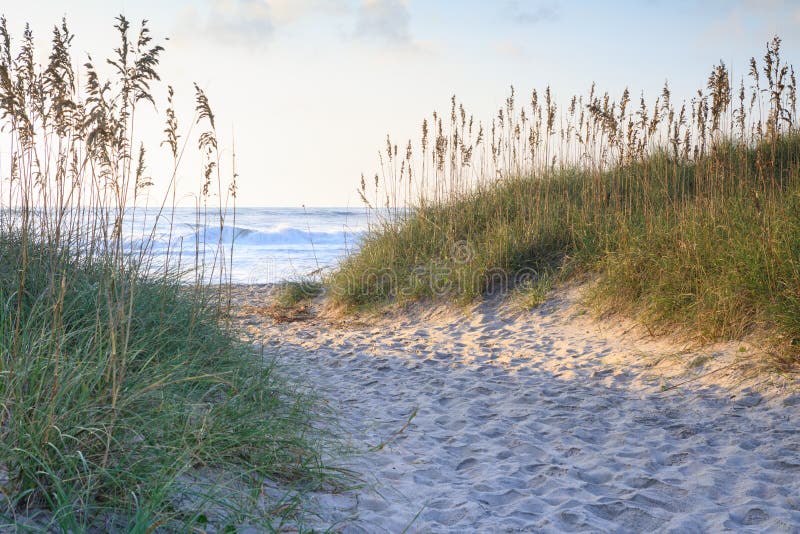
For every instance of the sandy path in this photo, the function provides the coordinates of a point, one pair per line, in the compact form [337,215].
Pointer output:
[540,423]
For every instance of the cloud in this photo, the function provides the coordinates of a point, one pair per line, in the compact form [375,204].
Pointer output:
[753,22]
[532,12]
[386,21]
[289,11]
[252,23]
[241,22]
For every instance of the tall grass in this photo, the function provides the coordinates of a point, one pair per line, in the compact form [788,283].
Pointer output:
[687,212]
[119,382]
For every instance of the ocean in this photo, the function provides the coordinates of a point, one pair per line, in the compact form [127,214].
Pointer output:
[269,244]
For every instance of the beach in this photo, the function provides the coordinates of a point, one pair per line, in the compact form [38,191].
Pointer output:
[489,418]
[532,309]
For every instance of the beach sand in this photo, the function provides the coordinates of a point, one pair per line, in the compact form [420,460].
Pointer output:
[492,419]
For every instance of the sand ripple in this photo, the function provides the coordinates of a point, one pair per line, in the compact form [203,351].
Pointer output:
[538,423]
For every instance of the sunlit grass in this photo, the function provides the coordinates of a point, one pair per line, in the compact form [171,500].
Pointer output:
[126,403]
[686,214]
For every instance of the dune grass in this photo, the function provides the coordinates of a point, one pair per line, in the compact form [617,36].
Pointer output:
[126,403]
[97,434]
[296,292]
[687,215]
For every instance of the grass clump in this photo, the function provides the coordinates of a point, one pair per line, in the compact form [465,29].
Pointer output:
[125,402]
[103,435]
[687,213]
[293,293]
[293,299]
[533,293]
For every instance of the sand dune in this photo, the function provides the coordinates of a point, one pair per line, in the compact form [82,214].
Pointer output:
[488,420]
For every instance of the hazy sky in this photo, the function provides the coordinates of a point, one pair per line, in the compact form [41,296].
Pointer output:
[312,87]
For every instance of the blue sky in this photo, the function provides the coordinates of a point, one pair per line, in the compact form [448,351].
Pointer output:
[312,87]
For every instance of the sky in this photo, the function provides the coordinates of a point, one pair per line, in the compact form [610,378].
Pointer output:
[307,90]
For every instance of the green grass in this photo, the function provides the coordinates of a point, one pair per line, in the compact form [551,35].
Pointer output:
[126,402]
[532,293]
[295,292]
[687,226]
[90,429]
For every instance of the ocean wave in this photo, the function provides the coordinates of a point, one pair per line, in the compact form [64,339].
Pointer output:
[279,235]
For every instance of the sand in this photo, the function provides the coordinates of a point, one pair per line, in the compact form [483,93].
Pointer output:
[489,419]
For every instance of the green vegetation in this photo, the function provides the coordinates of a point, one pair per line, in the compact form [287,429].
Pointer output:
[292,300]
[687,215]
[126,403]
[530,294]
[293,293]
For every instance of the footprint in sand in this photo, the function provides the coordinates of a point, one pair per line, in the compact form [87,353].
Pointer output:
[505,444]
